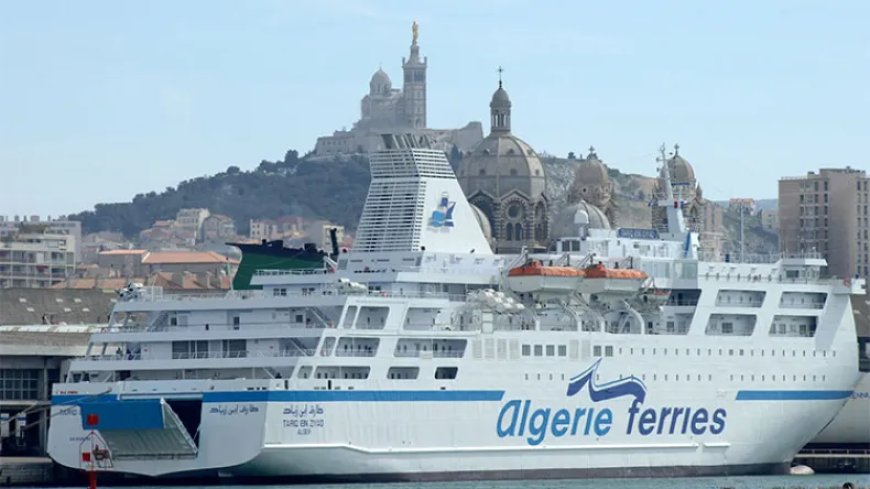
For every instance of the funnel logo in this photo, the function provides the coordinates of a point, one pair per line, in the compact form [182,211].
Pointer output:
[632,386]
[524,419]
[442,216]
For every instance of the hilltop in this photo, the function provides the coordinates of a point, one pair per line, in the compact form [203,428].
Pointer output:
[332,190]
[335,190]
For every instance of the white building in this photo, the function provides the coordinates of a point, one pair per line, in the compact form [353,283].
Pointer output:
[34,256]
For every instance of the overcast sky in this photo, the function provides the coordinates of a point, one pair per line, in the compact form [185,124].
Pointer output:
[103,100]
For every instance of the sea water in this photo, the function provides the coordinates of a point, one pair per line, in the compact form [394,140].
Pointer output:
[826,481]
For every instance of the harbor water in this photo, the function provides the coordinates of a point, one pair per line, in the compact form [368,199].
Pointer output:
[825,481]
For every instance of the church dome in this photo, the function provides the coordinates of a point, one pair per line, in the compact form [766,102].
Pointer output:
[568,220]
[591,171]
[680,169]
[500,99]
[380,83]
[500,164]
[485,226]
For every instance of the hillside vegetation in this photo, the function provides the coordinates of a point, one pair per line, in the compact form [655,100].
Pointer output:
[332,190]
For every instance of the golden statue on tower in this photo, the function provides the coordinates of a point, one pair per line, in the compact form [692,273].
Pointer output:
[415,32]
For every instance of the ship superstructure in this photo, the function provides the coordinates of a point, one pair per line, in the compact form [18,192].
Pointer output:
[422,355]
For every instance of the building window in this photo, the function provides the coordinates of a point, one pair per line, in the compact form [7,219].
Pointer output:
[19,384]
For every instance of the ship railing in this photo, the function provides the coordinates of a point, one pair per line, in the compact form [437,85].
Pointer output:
[292,272]
[766,278]
[163,328]
[209,355]
[430,353]
[259,294]
[757,258]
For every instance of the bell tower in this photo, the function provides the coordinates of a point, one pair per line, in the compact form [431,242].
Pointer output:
[414,87]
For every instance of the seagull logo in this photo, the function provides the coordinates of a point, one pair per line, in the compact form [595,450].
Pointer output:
[442,216]
[631,386]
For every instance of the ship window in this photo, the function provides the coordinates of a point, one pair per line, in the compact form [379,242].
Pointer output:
[234,348]
[596,351]
[446,372]
[551,350]
[403,373]
[299,318]
[563,351]
[608,351]
[539,351]
[173,321]
[677,377]
[527,350]
[304,372]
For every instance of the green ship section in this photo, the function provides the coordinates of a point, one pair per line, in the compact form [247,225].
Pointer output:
[271,255]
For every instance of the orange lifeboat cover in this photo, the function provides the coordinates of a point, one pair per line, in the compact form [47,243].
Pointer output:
[600,271]
[535,268]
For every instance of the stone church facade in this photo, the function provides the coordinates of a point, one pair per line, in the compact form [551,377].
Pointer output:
[504,178]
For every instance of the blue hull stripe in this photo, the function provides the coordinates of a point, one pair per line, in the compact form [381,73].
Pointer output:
[792,395]
[317,396]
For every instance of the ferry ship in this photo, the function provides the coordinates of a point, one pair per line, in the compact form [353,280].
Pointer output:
[422,355]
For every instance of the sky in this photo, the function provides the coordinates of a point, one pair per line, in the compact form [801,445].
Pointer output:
[101,100]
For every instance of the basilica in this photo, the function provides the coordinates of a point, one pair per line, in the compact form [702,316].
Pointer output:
[388,110]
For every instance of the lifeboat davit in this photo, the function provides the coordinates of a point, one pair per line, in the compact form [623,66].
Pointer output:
[537,278]
[602,280]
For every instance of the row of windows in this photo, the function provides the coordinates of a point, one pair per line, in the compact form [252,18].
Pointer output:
[694,377]
[608,351]
[362,373]
[545,350]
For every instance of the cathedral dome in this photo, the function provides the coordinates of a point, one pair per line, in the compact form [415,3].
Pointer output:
[680,169]
[503,163]
[380,83]
[504,177]
[568,220]
[591,170]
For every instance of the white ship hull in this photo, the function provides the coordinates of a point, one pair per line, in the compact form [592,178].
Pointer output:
[851,427]
[473,429]
[399,363]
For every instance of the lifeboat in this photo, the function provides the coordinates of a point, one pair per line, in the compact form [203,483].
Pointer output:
[537,278]
[655,297]
[602,280]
